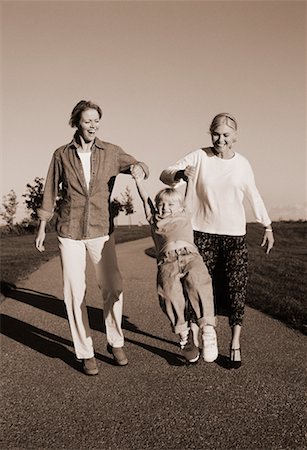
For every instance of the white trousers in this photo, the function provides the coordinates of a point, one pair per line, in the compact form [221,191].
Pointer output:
[102,253]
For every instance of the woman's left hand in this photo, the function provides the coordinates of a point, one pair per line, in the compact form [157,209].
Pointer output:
[268,239]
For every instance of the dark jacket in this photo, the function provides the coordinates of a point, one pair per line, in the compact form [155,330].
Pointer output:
[84,213]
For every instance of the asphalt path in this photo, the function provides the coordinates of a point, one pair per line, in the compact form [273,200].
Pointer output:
[156,402]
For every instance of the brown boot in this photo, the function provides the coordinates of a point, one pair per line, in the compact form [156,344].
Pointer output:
[89,366]
[118,354]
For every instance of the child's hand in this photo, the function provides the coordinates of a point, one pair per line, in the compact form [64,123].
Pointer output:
[190,172]
[137,172]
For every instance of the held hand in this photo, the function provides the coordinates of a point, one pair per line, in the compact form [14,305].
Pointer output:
[190,172]
[268,239]
[137,172]
[39,241]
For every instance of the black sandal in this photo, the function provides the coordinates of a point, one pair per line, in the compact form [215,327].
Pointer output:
[234,364]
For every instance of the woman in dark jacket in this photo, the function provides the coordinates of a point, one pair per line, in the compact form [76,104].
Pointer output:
[85,170]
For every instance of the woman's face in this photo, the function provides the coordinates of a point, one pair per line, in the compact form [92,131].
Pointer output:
[89,124]
[222,138]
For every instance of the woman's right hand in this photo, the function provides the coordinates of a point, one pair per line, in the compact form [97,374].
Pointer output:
[190,172]
[40,237]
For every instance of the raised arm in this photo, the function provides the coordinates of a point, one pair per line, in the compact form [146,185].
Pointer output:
[127,163]
[147,203]
[188,174]
[175,173]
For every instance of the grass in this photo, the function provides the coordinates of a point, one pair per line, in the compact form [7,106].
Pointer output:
[19,256]
[277,282]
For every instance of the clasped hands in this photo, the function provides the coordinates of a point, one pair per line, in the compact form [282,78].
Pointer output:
[189,173]
[137,172]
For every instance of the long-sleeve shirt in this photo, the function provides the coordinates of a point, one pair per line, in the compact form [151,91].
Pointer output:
[169,229]
[220,187]
[84,211]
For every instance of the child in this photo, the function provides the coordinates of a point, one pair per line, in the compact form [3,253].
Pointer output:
[180,267]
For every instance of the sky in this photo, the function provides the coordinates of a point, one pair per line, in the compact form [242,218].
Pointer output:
[160,70]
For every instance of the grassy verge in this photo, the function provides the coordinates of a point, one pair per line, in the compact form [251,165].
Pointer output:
[277,282]
[19,257]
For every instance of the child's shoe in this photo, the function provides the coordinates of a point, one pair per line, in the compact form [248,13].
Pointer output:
[196,334]
[188,347]
[210,350]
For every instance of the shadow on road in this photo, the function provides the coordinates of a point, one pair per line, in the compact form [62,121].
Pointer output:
[223,361]
[56,306]
[40,300]
[42,341]
[172,358]
[54,346]
[151,251]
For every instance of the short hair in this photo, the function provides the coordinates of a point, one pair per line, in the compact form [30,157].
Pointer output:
[223,119]
[83,105]
[168,193]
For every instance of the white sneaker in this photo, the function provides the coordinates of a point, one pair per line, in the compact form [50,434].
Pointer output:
[196,334]
[210,350]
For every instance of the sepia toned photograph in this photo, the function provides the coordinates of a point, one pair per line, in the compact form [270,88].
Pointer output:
[153,224]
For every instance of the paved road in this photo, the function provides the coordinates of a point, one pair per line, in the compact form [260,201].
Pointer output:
[156,402]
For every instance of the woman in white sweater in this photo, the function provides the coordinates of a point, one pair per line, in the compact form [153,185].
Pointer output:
[223,178]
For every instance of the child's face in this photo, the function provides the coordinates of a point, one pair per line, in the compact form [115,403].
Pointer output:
[169,206]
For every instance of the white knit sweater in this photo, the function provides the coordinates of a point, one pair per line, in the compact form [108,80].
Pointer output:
[220,187]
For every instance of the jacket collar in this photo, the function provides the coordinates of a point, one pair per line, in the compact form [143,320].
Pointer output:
[75,143]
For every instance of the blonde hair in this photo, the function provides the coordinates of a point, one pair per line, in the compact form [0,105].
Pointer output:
[223,119]
[168,193]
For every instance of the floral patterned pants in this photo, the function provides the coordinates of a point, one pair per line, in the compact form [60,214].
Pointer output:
[227,262]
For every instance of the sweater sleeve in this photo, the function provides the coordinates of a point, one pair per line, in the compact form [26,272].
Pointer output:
[168,175]
[51,189]
[255,199]
[125,161]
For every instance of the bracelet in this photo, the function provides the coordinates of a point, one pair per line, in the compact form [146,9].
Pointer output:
[268,229]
